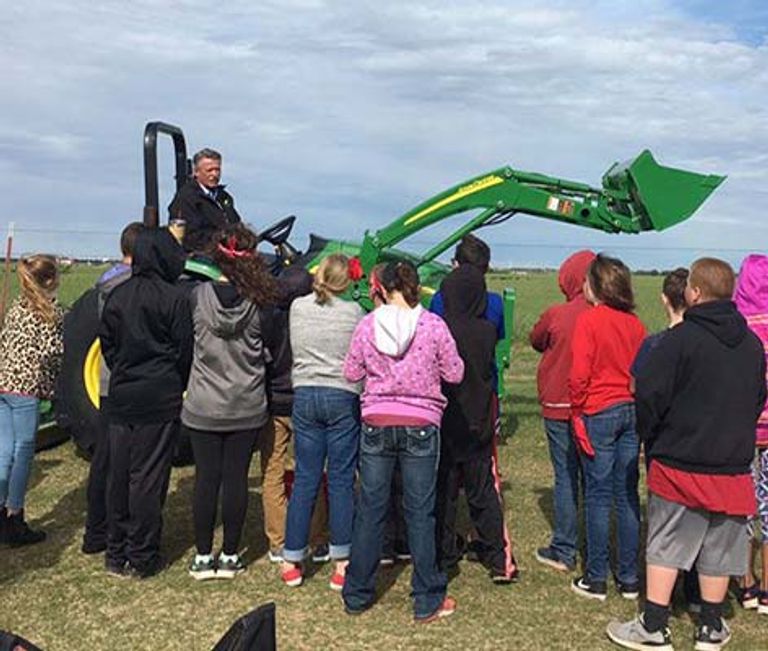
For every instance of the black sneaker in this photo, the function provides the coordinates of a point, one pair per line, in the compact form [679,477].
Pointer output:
[229,569]
[628,590]
[590,589]
[93,547]
[710,639]
[321,554]
[748,597]
[19,533]
[117,570]
[500,577]
[148,571]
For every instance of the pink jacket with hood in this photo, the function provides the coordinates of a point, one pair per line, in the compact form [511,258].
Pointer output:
[751,298]
[403,355]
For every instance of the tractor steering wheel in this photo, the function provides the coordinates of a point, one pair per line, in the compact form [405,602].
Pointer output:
[279,232]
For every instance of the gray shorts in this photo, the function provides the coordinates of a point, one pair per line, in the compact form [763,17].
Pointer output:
[680,537]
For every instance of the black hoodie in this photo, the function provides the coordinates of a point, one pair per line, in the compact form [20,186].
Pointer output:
[294,282]
[700,392]
[146,334]
[467,427]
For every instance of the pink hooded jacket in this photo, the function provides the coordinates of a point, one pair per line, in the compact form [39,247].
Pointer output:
[751,298]
[403,355]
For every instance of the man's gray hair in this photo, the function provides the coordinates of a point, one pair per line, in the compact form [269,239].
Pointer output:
[205,153]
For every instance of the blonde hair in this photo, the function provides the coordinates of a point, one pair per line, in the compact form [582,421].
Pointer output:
[331,278]
[39,279]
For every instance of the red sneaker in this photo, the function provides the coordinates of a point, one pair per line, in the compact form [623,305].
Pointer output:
[447,608]
[293,577]
[337,582]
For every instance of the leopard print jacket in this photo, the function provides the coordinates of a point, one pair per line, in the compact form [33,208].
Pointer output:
[30,351]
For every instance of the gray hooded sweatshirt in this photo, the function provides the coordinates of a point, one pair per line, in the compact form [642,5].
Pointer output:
[226,390]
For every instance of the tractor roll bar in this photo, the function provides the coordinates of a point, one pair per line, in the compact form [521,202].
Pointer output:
[183,167]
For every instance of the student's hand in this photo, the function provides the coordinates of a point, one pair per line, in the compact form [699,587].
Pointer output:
[581,437]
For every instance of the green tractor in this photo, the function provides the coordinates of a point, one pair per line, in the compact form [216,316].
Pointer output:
[639,195]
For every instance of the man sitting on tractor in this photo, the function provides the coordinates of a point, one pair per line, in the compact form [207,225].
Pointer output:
[203,203]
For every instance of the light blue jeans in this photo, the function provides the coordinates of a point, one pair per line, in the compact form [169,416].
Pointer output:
[19,417]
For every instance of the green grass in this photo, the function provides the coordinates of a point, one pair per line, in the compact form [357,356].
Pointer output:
[63,600]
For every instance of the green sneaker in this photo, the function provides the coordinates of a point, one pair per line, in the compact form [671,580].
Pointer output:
[229,569]
[202,570]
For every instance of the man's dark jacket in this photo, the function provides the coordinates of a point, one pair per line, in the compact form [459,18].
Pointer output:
[203,214]
[146,334]
[700,392]
[294,282]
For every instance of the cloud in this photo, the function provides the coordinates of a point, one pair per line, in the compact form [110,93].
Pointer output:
[348,114]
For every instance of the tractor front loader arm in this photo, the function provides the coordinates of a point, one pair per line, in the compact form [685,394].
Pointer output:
[638,195]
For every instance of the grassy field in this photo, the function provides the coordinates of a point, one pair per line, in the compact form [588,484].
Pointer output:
[63,600]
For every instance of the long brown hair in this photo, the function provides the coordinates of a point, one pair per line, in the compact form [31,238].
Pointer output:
[611,282]
[331,278]
[39,279]
[234,252]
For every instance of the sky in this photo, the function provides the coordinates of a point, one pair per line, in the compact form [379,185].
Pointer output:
[348,114]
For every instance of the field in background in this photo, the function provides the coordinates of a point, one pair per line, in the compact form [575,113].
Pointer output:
[63,600]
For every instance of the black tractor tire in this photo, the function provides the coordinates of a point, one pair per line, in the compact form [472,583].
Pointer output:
[75,411]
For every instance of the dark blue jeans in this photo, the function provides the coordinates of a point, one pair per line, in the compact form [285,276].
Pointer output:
[565,463]
[611,480]
[417,449]
[326,424]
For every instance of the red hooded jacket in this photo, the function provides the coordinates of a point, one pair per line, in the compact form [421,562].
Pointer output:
[552,337]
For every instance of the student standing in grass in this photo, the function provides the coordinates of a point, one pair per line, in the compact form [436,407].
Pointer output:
[30,356]
[606,339]
[467,433]
[402,353]
[95,535]
[146,340]
[751,298]
[699,396]
[673,300]
[326,417]
[226,402]
[274,440]
[552,337]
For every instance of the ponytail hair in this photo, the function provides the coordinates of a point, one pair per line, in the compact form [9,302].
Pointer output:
[234,252]
[404,278]
[39,279]
[331,278]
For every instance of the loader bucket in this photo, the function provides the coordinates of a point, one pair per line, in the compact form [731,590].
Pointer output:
[658,196]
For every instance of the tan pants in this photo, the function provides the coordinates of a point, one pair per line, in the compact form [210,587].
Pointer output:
[274,442]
